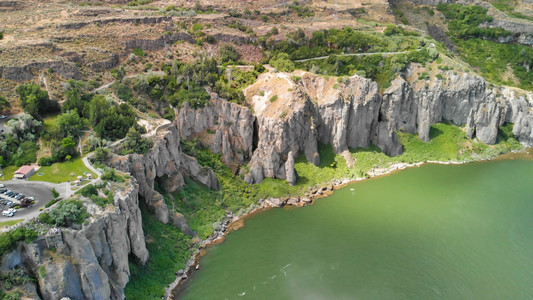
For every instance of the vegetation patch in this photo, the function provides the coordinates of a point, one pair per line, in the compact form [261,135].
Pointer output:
[169,249]
[62,171]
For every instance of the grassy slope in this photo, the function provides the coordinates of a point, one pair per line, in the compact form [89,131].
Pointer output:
[169,250]
[8,172]
[62,172]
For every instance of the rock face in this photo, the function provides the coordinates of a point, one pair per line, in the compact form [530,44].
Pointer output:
[224,127]
[91,263]
[165,159]
[22,73]
[295,111]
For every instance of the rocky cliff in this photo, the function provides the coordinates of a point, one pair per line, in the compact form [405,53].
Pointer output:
[293,112]
[165,161]
[92,262]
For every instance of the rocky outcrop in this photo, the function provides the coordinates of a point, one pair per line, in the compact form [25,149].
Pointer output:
[165,160]
[224,127]
[90,263]
[138,20]
[159,43]
[26,72]
[105,64]
[295,111]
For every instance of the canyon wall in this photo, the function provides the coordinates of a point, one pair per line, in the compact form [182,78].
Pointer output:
[293,112]
[89,263]
[165,160]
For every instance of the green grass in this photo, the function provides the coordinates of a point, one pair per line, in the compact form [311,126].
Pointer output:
[62,171]
[8,172]
[507,7]
[169,250]
[200,205]
[10,222]
[447,143]
[492,59]
[50,122]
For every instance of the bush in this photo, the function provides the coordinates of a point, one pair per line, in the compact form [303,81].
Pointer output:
[88,190]
[45,218]
[282,63]
[135,143]
[46,161]
[197,27]
[139,52]
[1,35]
[9,239]
[228,53]
[111,175]
[273,98]
[50,203]
[55,193]
[101,154]
[69,212]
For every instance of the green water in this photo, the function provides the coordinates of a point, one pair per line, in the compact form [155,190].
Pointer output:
[434,232]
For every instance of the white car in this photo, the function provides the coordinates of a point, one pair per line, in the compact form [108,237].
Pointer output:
[3,117]
[8,213]
[12,210]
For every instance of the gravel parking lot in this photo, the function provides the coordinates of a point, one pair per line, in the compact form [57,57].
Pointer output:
[41,192]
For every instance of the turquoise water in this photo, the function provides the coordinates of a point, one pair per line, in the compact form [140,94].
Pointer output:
[433,232]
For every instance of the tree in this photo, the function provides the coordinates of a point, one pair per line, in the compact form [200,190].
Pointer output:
[68,146]
[97,109]
[116,122]
[135,143]
[4,104]
[228,53]
[69,212]
[70,123]
[101,154]
[36,101]
[25,127]
[282,63]
[74,96]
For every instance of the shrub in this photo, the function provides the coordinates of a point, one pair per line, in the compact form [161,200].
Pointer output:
[197,27]
[50,203]
[135,143]
[69,212]
[9,239]
[88,190]
[1,35]
[111,175]
[55,193]
[45,218]
[273,98]
[282,63]
[101,154]
[228,53]
[45,161]
[139,52]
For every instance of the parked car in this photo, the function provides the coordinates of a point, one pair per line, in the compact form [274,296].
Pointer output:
[2,185]
[3,117]
[12,210]
[8,213]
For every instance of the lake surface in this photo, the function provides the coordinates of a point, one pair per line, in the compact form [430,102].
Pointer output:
[433,232]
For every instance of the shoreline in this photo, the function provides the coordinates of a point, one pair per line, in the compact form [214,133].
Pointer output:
[236,221]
